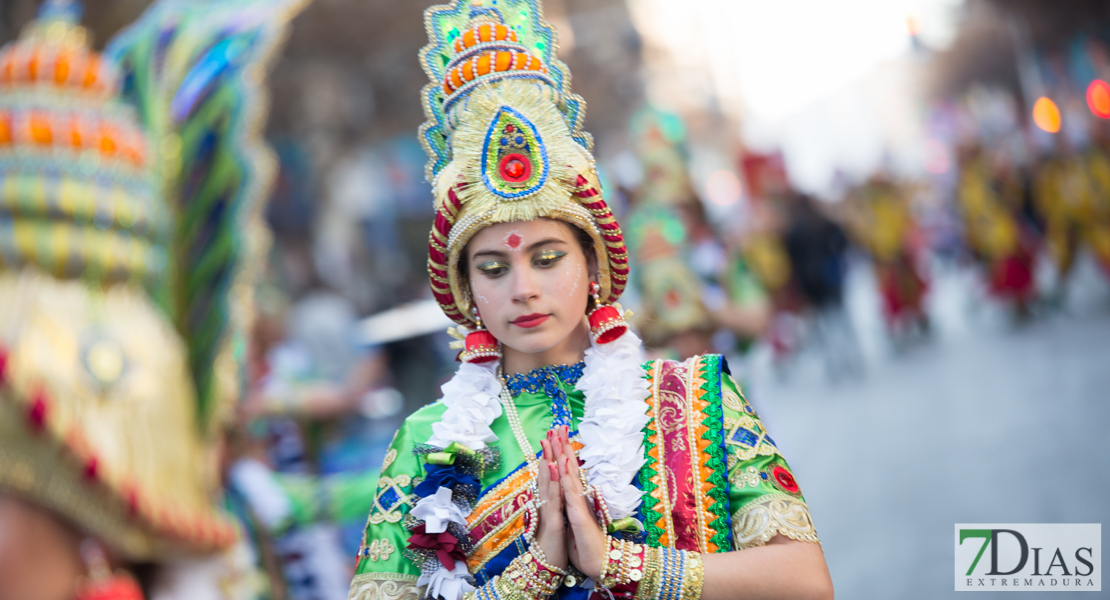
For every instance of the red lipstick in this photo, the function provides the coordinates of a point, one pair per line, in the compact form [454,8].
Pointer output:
[530,321]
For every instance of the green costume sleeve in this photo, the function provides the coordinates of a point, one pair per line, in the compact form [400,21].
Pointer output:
[339,497]
[383,572]
[763,496]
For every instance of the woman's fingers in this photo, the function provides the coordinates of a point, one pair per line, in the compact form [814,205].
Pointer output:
[548,482]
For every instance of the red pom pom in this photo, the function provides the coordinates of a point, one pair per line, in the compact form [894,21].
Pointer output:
[116,588]
[481,347]
[606,324]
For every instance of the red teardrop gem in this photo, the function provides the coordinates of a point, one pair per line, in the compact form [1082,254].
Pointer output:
[514,169]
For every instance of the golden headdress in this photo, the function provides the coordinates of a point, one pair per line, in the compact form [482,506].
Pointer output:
[504,137]
[129,191]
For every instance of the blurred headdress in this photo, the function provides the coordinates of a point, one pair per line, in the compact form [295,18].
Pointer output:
[130,191]
[670,291]
[505,141]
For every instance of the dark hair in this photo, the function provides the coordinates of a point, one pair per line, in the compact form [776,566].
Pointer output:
[584,241]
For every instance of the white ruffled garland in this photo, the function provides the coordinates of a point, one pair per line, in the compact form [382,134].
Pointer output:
[611,431]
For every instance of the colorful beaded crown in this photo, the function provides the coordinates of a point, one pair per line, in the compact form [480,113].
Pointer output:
[79,189]
[130,189]
[505,141]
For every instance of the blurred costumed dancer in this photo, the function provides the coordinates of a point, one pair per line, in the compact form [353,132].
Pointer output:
[130,228]
[557,462]
[1072,194]
[690,286]
[995,234]
[881,221]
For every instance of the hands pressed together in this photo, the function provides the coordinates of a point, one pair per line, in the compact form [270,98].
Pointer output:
[567,530]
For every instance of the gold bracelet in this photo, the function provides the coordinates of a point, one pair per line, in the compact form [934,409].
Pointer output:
[648,586]
[693,576]
[528,578]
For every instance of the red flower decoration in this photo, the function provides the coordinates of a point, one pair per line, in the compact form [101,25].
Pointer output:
[785,480]
[445,545]
[36,413]
[3,366]
[92,468]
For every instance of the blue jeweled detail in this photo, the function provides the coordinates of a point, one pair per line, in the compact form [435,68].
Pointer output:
[389,499]
[546,380]
[745,437]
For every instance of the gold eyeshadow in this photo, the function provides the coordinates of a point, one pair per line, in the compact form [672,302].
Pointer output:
[550,255]
[493,265]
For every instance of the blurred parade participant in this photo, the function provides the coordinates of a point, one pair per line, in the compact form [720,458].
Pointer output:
[817,247]
[1073,198]
[881,221]
[130,186]
[311,439]
[994,233]
[689,287]
[766,260]
[527,258]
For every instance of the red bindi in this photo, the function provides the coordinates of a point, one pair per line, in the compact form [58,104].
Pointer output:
[514,240]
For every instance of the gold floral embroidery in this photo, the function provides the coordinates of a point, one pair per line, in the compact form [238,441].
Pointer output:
[745,477]
[770,515]
[380,550]
[389,458]
[732,400]
[746,438]
[391,498]
[385,586]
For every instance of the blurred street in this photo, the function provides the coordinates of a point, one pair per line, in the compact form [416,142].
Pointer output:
[982,423]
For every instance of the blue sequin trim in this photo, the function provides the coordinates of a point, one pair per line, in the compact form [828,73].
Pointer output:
[546,380]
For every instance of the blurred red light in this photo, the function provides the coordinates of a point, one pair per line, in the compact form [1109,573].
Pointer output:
[1098,98]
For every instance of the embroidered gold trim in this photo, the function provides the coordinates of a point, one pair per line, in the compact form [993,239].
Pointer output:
[664,506]
[385,586]
[389,457]
[693,385]
[767,516]
[732,400]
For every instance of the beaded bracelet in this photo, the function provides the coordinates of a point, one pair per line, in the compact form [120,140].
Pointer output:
[623,564]
[645,573]
[528,579]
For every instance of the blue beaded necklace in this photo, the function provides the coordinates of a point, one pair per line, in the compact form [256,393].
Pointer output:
[546,380]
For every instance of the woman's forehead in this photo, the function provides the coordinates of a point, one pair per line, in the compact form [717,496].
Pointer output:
[518,234]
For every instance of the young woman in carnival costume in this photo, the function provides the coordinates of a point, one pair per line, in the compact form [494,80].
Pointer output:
[557,463]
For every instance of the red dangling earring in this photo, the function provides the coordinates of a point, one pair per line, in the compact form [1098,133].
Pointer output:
[481,346]
[606,322]
[102,584]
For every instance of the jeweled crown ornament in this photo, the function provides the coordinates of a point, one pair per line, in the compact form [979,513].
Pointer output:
[505,141]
